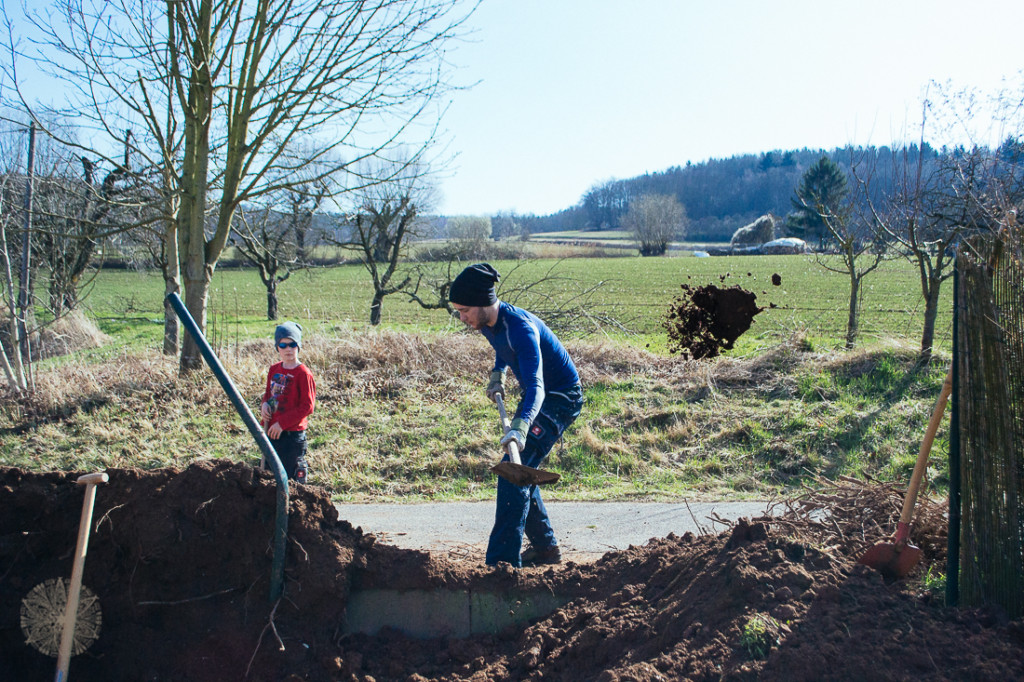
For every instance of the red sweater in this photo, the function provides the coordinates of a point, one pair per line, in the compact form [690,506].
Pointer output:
[291,394]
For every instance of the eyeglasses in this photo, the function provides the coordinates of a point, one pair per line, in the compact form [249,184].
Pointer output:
[288,344]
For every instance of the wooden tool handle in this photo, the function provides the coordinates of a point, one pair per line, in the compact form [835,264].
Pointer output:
[90,481]
[513,446]
[513,452]
[93,479]
[926,447]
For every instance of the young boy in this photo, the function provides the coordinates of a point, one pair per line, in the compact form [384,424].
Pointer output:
[288,401]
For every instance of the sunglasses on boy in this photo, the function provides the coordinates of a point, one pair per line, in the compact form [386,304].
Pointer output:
[288,344]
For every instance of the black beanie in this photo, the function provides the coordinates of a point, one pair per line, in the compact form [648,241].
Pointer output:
[475,286]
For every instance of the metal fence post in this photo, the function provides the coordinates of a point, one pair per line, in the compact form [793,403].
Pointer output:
[281,521]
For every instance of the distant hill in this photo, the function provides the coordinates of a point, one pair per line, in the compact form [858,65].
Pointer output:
[720,195]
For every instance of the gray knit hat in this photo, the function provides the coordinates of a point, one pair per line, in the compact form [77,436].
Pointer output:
[288,330]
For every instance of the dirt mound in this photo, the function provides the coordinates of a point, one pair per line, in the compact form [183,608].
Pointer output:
[180,561]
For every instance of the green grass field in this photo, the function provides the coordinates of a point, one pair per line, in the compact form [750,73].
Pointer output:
[635,291]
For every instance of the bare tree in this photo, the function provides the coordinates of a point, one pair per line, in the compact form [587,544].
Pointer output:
[75,216]
[654,220]
[225,89]
[303,202]
[468,236]
[11,192]
[274,241]
[58,215]
[504,225]
[940,197]
[380,226]
[853,233]
[429,283]
[566,304]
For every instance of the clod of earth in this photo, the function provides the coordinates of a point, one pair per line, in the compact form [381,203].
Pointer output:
[704,321]
[180,560]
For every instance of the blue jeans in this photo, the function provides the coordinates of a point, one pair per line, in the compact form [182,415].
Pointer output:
[520,508]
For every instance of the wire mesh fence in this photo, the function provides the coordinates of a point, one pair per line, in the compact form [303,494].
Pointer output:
[990,392]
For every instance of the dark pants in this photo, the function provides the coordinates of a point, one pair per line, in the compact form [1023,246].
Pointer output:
[291,450]
[520,509]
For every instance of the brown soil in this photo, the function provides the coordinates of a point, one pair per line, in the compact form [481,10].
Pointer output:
[180,560]
[703,321]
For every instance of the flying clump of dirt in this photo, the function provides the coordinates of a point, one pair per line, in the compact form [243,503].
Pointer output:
[703,321]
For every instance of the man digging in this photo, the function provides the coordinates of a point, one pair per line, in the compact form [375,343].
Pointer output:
[552,399]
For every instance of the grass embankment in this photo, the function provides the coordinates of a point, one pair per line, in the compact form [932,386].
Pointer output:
[403,415]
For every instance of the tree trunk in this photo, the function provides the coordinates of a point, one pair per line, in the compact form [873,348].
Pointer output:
[852,319]
[191,219]
[12,363]
[196,290]
[172,285]
[171,268]
[375,307]
[70,300]
[172,327]
[300,244]
[931,312]
[272,299]
[57,297]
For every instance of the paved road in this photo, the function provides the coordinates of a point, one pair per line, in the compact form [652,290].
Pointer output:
[585,530]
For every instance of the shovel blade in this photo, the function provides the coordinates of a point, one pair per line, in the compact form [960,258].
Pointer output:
[892,560]
[520,474]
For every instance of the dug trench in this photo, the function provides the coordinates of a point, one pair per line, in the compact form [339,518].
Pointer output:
[180,561]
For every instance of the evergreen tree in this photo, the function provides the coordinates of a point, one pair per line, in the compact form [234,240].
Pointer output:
[821,193]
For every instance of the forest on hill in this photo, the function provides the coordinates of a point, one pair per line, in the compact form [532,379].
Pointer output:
[721,195]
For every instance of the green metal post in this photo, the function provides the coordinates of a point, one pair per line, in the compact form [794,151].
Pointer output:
[281,521]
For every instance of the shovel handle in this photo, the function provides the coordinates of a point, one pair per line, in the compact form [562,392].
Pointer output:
[90,481]
[926,447]
[513,446]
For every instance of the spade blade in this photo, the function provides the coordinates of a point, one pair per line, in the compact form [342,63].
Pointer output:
[520,474]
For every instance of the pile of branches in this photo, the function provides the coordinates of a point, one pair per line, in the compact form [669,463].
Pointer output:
[849,515]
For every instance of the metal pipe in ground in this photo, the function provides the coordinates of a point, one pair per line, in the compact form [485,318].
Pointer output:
[281,520]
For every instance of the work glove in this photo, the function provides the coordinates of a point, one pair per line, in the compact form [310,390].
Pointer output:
[516,432]
[496,385]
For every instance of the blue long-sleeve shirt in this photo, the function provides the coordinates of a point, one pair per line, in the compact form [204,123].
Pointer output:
[523,343]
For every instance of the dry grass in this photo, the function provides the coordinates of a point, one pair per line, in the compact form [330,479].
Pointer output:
[404,414]
[63,336]
[604,361]
[384,363]
[70,333]
[144,378]
[379,363]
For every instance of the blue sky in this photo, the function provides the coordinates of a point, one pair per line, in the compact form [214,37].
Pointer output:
[575,92]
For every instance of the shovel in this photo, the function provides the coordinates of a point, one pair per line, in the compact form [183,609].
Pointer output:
[90,481]
[515,472]
[897,558]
